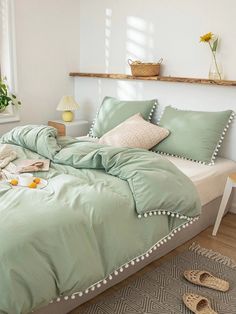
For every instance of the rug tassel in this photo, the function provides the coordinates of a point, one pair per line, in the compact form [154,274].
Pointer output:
[213,255]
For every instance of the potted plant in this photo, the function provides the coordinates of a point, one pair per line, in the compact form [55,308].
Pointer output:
[6,97]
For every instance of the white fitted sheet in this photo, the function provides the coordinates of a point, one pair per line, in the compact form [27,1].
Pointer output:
[209,180]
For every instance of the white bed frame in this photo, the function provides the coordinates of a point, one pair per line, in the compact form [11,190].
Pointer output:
[207,218]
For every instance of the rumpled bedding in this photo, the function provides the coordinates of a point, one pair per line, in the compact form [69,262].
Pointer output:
[85,224]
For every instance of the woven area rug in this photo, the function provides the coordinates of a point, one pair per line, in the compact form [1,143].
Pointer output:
[160,291]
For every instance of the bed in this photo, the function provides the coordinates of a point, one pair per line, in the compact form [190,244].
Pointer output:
[210,182]
[52,269]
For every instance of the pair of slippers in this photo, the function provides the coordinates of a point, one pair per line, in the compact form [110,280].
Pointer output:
[197,303]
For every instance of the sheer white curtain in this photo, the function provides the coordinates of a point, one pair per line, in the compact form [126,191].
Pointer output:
[7,54]
[7,49]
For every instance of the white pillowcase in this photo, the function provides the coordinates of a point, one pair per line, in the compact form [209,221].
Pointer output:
[135,132]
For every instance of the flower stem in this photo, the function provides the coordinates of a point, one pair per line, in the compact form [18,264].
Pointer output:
[214,57]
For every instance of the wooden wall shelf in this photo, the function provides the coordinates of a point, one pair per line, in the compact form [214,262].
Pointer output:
[155,78]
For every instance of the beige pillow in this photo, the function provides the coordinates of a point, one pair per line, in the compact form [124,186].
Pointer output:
[134,132]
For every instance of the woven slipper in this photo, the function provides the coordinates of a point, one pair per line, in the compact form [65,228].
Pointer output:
[198,304]
[206,279]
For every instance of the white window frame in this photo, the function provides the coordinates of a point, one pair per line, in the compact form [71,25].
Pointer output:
[8,56]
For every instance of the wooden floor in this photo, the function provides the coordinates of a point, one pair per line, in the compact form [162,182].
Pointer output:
[224,243]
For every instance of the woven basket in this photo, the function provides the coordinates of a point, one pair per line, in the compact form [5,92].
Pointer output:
[139,68]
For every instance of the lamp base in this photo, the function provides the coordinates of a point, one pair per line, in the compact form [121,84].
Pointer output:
[67,116]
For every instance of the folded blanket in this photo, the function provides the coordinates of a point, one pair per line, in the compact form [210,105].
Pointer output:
[37,138]
[7,154]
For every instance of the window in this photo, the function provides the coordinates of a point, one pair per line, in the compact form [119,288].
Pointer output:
[7,55]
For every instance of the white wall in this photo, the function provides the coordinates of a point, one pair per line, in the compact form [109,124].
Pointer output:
[111,31]
[47,47]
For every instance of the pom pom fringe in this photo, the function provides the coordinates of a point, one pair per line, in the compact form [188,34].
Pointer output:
[168,213]
[90,134]
[213,255]
[152,111]
[135,260]
[218,145]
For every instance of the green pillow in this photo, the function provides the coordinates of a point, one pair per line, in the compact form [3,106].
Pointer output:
[114,111]
[195,135]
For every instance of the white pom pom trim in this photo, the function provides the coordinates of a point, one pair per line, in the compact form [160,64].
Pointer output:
[164,212]
[132,262]
[218,145]
[90,134]
[152,111]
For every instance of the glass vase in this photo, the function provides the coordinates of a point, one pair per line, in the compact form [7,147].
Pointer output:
[216,69]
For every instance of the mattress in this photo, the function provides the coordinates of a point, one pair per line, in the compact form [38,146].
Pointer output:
[209,180]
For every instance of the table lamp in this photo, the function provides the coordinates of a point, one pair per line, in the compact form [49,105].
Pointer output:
[67,104]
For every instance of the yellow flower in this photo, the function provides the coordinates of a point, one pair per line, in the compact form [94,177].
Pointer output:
[207,37]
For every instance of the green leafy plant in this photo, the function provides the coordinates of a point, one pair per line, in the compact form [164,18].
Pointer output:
[6,97]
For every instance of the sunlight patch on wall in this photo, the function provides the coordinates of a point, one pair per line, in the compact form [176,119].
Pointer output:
[137,23]
[136,36]
[108,20]
[100,97]
[150,42]
[139,39]
[139,46]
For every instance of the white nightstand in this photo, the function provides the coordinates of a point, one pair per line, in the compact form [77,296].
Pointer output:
[230,184]
[75,128]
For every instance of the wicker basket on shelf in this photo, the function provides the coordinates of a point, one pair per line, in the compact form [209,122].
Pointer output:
[139,68]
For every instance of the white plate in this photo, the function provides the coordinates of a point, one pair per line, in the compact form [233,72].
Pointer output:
[43,183]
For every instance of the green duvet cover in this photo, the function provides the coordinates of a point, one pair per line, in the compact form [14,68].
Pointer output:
[90,219]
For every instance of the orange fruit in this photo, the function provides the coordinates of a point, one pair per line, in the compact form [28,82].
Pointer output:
[37,180]
[14,182]
[32,185]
